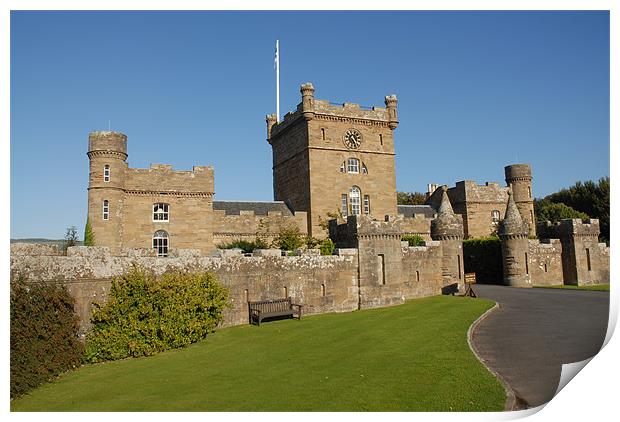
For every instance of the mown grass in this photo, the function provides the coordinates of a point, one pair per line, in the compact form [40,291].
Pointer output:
[412,357]
[593,287]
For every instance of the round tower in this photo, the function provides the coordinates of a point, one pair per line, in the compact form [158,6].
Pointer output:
[107,152]
[391,103]
[448,229]
[519,177]
[513,233]
[307,100]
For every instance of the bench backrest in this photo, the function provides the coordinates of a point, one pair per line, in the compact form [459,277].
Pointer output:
[267,306]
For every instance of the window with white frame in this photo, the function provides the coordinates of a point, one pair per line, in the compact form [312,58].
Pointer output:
[495,216]
[353,165]
[106,173]
[160,242]
[366,204]
[106,209]
[344,208]
[364,169]
[354,200]
[342,168]
[160,212]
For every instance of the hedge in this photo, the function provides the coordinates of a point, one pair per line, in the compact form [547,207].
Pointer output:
[483,256]
[145,315]
[44,334]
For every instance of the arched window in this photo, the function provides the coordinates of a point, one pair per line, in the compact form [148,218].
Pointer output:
[344,207]
[106,209]
[106,173]
[364,169]
[354,200]
[160,212]
[342,168]
[353,165]
[160,242]
[495,216]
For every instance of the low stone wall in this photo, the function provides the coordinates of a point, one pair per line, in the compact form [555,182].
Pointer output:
[246,225]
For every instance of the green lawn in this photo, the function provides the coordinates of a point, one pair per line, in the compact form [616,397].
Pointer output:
[594,287]
[409,357]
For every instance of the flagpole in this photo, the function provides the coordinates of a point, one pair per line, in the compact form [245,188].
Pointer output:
[278,81]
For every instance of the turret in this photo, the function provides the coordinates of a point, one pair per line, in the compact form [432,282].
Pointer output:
[519,178]
[107,152]
[307,100]
[390,103]
[271,120]
[448,229]
[513,233]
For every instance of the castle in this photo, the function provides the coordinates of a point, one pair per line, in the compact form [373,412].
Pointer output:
[326,157]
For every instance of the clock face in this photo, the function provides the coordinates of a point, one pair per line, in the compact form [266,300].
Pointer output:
[352,139]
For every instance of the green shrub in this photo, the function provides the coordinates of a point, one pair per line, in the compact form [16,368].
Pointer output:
[44,334]
[246,245]
[327,246]
[413,239]
[483,256]
[89,237]
[289,239]
[145,315]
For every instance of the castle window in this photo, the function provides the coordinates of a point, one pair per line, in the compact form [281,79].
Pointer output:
[323,290]
[588,259]
[364,169]
[381,138]
[495,216]
[529,192]
[366,204]
[106,173]
[322,134]
[354,199]
[342,168]
[344,208]
[527,266]
[160,243]
[531,216]
[353,165]
[106,209]
[160,212]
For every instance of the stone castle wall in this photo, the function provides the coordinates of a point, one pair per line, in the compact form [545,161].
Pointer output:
[418,224]
[545,262]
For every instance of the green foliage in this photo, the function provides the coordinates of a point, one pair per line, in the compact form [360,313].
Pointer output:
[327,247]
[554,212]
[413,239]
[483,256]
[89,237]
[334,215]
[289,238]
[588,197]
[145,315]
[246,245]
[311,242]
[44,335]
[410,198]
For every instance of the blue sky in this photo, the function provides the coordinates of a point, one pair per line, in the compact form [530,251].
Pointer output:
[477,91]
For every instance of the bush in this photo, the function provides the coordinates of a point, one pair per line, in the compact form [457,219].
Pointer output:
[289,239]
[44,335]
[145,315]
[89,237]
[327,247]
[483,256]
[413,239]
[246,245]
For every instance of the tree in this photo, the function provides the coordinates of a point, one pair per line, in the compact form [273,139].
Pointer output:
[410,198]
[289,238]
[554,212]
[71,237]
[588,197]
[89,237]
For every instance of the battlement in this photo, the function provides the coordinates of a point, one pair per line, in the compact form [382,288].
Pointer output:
[163,178]
[107,141]
[569,227]
[517,171]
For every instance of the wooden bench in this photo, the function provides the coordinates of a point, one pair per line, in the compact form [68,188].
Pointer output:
[270,308]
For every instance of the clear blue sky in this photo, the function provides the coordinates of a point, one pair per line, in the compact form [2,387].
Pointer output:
[477,91]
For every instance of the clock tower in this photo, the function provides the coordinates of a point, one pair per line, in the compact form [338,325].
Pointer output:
[334,157]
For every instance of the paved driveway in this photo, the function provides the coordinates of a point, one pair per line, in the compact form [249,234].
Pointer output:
[535,331]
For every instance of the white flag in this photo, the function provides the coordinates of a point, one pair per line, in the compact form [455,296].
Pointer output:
[275,60]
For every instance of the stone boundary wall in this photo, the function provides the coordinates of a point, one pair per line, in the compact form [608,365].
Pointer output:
[418,224]
[320,283]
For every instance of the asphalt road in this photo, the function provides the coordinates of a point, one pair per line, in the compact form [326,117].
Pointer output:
[535,331]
